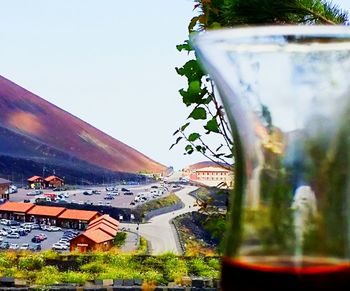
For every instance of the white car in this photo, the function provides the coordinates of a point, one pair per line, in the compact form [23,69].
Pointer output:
[13,247]
[108,204]
[55,228]
[99,203]
[24,246]
[59,247]
[3,233]
[13,235]
[4,221]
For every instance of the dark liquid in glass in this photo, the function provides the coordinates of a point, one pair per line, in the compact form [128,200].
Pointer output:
[282,274]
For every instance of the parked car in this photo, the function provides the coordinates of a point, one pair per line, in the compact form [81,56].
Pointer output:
[24,246]
[4,245]
[35,193]
[59,247]
[99,203]
[14,247]
[35,226]
[124,189]
[108,204]
[14,223]
[13,235]
[4,221]
[128,193]
[35,247]
[108,197]
[3,232]
[55,228]
[87,193]
[88,202]
[96,192]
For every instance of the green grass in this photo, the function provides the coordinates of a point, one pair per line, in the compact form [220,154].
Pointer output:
[171,199]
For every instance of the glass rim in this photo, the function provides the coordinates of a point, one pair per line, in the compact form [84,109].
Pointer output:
[274,30]
[272,37]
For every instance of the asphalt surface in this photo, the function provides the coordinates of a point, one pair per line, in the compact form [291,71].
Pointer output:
[77,196]
[159,231]
[52,237]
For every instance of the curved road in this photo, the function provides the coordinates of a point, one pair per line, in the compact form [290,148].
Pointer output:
[159,231]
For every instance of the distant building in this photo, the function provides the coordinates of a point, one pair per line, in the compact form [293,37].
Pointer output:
[36,182]
[4,188]
[99,235]
[53,182]
[212,176]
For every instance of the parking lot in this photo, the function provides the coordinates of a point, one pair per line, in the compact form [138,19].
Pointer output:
[46,239]
[99,196]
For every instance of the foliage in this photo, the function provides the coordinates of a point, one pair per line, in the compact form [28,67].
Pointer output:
[143,246]
[158,203]
[74,277]
[199,267]
[93,267]
[30,263]
[49,275]
[120,238]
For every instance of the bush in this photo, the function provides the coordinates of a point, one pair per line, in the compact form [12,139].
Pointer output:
[93,267]
[174,269]
[74,277]
[119,239]
[153,276]
[31,263]
[199,267]
[49,275]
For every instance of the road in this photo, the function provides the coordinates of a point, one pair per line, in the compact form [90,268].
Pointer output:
[159,231]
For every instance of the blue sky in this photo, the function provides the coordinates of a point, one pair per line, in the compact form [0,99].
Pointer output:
[109,62]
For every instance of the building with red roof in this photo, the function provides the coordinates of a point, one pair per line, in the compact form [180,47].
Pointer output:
[45,214]
[92,240]
[4,188]
[80,219]
[99,235]
[36,182]
[53,182]
[15,210]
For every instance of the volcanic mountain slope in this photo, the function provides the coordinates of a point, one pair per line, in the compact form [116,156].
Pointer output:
[33,129]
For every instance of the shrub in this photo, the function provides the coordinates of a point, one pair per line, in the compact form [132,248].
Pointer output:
[119,239]
[49,275]
[199,267]
[31,263]
[74,277]
[153,277]
[174,269]
[93,267]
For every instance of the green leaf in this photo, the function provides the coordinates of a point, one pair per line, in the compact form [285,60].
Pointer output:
[189,149]
[191,70]
[193,136]
[184,47]
[212,126]
[184,126]
[176,142]
[194,87]
[198,113]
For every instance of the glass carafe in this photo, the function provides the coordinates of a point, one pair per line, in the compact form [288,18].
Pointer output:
[286,91]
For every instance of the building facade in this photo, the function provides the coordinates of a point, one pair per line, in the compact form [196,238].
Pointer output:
[4,188]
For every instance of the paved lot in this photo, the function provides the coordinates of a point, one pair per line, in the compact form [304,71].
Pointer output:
[52,237]
[77,196]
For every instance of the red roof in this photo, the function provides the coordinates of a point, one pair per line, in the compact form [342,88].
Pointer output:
[78,214]
[16,207]
[46,210]
[97,235]
[50,178]
[111,231]
[105,222]
[105,217]
[34,178]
